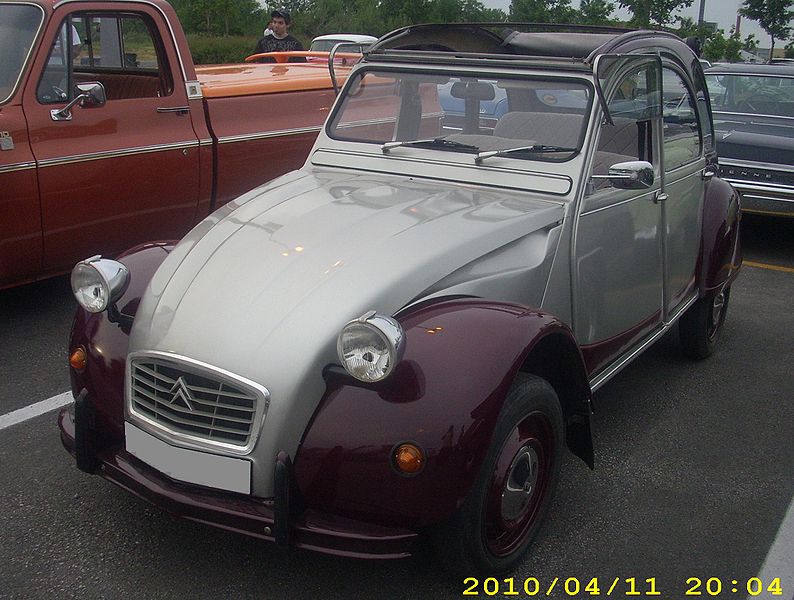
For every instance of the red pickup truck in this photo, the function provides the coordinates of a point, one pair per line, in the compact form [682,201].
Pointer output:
[110,136]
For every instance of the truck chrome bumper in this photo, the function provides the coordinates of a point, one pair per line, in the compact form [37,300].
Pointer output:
[269,519]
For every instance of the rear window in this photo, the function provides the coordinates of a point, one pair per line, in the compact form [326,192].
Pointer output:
[752,94]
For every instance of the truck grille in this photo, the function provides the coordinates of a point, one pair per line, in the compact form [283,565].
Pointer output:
[184,400]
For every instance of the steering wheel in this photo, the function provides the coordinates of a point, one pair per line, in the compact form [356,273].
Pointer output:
[749,103]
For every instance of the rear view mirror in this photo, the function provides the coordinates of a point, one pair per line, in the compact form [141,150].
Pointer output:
[473,90]
[631,175]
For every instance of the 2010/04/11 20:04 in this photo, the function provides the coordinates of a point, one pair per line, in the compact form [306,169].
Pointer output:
[630,586]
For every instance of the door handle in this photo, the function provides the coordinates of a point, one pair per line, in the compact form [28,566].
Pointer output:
[707,173]
[659,197]
[180,110]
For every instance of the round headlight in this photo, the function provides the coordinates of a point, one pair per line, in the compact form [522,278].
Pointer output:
[96,282]
[370,346]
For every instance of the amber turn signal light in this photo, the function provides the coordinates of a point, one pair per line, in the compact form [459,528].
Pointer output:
[408,459]
[78,359]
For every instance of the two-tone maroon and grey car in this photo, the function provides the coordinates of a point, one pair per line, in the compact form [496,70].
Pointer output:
[402,337]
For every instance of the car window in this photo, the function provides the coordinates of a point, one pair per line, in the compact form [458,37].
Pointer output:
[472,114]
[752,94]
[629,136]
[18,26]
[681,134]
[119,51]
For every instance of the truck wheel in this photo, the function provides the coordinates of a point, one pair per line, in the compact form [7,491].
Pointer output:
[700,326]
[496,524]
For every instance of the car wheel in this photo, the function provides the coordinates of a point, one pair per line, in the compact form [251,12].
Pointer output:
[700,326]
[495,526]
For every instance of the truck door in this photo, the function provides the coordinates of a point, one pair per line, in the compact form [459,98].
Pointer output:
[120,174]
[618,251]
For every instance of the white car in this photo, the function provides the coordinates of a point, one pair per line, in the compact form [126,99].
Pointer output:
[354,42]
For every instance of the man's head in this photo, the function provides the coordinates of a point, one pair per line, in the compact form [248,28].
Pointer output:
[279,21]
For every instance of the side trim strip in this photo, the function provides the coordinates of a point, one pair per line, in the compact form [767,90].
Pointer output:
[609,373]
[17,167]
[52,162]
[266,134]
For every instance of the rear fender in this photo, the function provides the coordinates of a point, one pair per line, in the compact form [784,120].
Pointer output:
[106,343]
[461,357]
[721,251]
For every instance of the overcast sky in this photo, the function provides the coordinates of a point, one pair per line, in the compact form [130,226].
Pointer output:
[721,11]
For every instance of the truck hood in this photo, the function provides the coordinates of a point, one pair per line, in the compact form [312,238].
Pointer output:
[263,287]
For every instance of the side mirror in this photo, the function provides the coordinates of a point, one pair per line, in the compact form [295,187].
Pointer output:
[87,95]
[632,175]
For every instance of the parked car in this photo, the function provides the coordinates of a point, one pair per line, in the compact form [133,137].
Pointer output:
[401,338]
[111,136]
[353,42]
[753,107]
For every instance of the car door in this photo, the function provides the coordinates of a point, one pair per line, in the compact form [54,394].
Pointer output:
[115,175]
[618,269]
[683,186]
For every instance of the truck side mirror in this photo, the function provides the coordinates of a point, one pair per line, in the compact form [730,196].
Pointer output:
[631,175]
[87,95]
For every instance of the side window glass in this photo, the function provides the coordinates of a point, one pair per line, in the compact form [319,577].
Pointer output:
[122,52]
[682,138]
[628,138]
[56,81]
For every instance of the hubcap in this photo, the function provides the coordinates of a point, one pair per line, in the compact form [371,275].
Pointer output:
[521,483]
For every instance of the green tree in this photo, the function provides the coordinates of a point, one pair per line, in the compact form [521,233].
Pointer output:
[595,12]
[720,47]
[542,11]
[658,12]
[790,50]
[774,17]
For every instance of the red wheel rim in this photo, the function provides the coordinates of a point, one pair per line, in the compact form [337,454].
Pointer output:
[519,484]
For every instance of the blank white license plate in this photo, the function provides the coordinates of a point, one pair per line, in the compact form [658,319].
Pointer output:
[202,468]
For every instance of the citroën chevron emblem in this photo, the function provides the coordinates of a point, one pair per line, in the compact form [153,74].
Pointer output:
[180,394]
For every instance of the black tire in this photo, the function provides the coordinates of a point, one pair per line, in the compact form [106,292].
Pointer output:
[700,326]
[495,526]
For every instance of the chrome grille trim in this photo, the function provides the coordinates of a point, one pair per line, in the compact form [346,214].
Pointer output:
[193,404]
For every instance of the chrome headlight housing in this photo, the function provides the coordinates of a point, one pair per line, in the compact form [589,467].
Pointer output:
[370,346]
[98,282]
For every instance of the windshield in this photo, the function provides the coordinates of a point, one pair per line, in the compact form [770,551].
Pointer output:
[531,118]
[18,26]
[754,94]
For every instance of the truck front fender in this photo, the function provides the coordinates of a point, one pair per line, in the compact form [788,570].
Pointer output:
[461,357]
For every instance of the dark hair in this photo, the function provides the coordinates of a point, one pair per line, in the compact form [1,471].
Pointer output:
[281,12]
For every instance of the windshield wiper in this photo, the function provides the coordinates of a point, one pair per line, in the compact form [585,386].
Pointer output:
[440,143]
[533,149]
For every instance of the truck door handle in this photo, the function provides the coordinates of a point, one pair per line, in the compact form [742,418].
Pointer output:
[180,110]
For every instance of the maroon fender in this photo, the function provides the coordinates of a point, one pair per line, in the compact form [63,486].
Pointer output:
[461,357]
[721,250]
[106,343]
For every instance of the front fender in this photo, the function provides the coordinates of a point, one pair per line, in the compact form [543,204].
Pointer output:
[721,251]
[106,343]
[461,357]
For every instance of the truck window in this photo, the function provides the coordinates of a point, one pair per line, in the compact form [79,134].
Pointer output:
[18,26]
[122,52]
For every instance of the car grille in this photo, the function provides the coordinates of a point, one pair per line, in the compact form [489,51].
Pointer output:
[756,175]
[183,400]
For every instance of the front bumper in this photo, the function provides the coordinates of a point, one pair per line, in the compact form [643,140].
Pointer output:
[269,519]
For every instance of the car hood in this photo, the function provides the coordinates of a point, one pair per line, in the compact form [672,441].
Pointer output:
[754,138]
[262,288]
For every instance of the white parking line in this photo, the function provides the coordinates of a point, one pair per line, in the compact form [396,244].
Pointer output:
[34,410]
[780,560]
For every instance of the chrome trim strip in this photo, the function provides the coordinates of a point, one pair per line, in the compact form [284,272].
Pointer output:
[727,112]
[627,358]
[767,198]
[743,185]
[34,44]
[247,137]
[165,18]
[184,440]
[756,165]
[208,142]
[614,204]
[65,160]
[17,167]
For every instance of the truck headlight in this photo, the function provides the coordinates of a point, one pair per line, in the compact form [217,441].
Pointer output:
[97,282]
[370,346]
